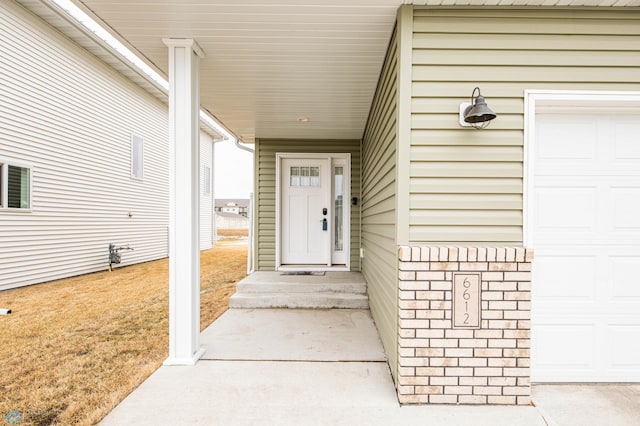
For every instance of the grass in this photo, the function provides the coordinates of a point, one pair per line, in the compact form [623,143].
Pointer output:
[73,349]
[232,232]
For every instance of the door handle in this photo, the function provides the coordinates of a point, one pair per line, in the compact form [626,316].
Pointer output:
[324,224]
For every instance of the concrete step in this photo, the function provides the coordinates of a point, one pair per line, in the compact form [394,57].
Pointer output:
[324,300]
[268,289]
[276,287]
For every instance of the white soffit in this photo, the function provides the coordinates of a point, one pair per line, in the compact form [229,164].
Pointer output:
[270,63]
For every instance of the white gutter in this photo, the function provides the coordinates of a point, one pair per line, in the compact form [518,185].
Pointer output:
[228,135]
[95,31]
[209,121]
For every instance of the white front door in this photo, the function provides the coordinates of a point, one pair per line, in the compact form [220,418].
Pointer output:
[312,219]
[586,234]
[305,211]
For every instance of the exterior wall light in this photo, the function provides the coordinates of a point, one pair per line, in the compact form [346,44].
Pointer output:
[476,113]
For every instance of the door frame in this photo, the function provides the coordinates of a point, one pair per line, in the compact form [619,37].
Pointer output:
[346,205]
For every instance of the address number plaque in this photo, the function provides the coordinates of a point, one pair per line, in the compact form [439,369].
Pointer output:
[466,300]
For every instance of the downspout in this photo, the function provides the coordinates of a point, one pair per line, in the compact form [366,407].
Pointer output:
[250,248]
[242,147]
[250,253]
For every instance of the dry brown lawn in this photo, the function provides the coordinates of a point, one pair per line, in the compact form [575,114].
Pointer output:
[232,232]
[73,349]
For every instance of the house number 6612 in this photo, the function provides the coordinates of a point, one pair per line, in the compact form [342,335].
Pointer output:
[466,300]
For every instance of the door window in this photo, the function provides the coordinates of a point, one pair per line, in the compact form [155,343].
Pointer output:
[338,209]
[304,176]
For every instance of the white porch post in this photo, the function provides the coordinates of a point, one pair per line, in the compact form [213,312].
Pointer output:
[184,205]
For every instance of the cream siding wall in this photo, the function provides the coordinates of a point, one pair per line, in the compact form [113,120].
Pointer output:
[265,175]
[379,215]
[206,200]
[71,117]
[467,185]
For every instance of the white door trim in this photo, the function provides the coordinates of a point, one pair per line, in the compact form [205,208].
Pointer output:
[536,101]
[347,208]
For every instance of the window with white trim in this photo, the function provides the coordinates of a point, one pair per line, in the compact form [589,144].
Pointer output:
[137,163]
[207,180]
[15,186]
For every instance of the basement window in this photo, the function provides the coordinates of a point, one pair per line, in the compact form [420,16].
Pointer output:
[15,186]
[207,180]
[137,163]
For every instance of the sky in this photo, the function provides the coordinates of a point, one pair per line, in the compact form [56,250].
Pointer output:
[233,171]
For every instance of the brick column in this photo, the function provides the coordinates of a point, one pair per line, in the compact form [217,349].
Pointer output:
[485,364]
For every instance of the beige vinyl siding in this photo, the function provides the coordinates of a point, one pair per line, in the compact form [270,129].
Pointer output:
[379,215]
[467,185]
[206,200]
[265,217]
[71,117]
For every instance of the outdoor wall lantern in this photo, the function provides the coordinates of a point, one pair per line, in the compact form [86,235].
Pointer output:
[476,113]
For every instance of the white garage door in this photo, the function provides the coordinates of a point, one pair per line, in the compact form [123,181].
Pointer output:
[585,228]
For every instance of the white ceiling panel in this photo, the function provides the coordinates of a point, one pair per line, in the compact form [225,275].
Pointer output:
[268,63]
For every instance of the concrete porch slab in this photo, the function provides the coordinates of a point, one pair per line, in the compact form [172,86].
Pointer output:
[588,404]
[292,393]
[282,367]
[293,335]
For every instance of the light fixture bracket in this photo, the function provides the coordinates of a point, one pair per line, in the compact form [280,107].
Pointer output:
[463,107]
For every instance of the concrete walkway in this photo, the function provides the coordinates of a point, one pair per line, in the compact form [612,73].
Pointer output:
[588,404]
[292,367]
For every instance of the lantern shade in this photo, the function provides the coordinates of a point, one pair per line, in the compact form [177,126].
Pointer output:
[478,111]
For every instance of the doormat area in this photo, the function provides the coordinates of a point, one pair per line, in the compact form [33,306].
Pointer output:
[316,273]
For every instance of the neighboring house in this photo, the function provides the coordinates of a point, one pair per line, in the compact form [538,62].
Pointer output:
[207,199]
[238,206]
[441,219]
[83,159]
[231,221]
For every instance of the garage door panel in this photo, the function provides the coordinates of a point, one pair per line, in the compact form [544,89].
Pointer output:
[565,208]
[623,348]
[625,203]
[625,287]
[562,142]
[568,211]
[626,148]
[562,349]
[557,274]
[584,349]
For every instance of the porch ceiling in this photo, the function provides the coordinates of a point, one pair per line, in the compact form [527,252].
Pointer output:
[271,62]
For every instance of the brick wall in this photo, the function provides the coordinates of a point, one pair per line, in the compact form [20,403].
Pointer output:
[443,361]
